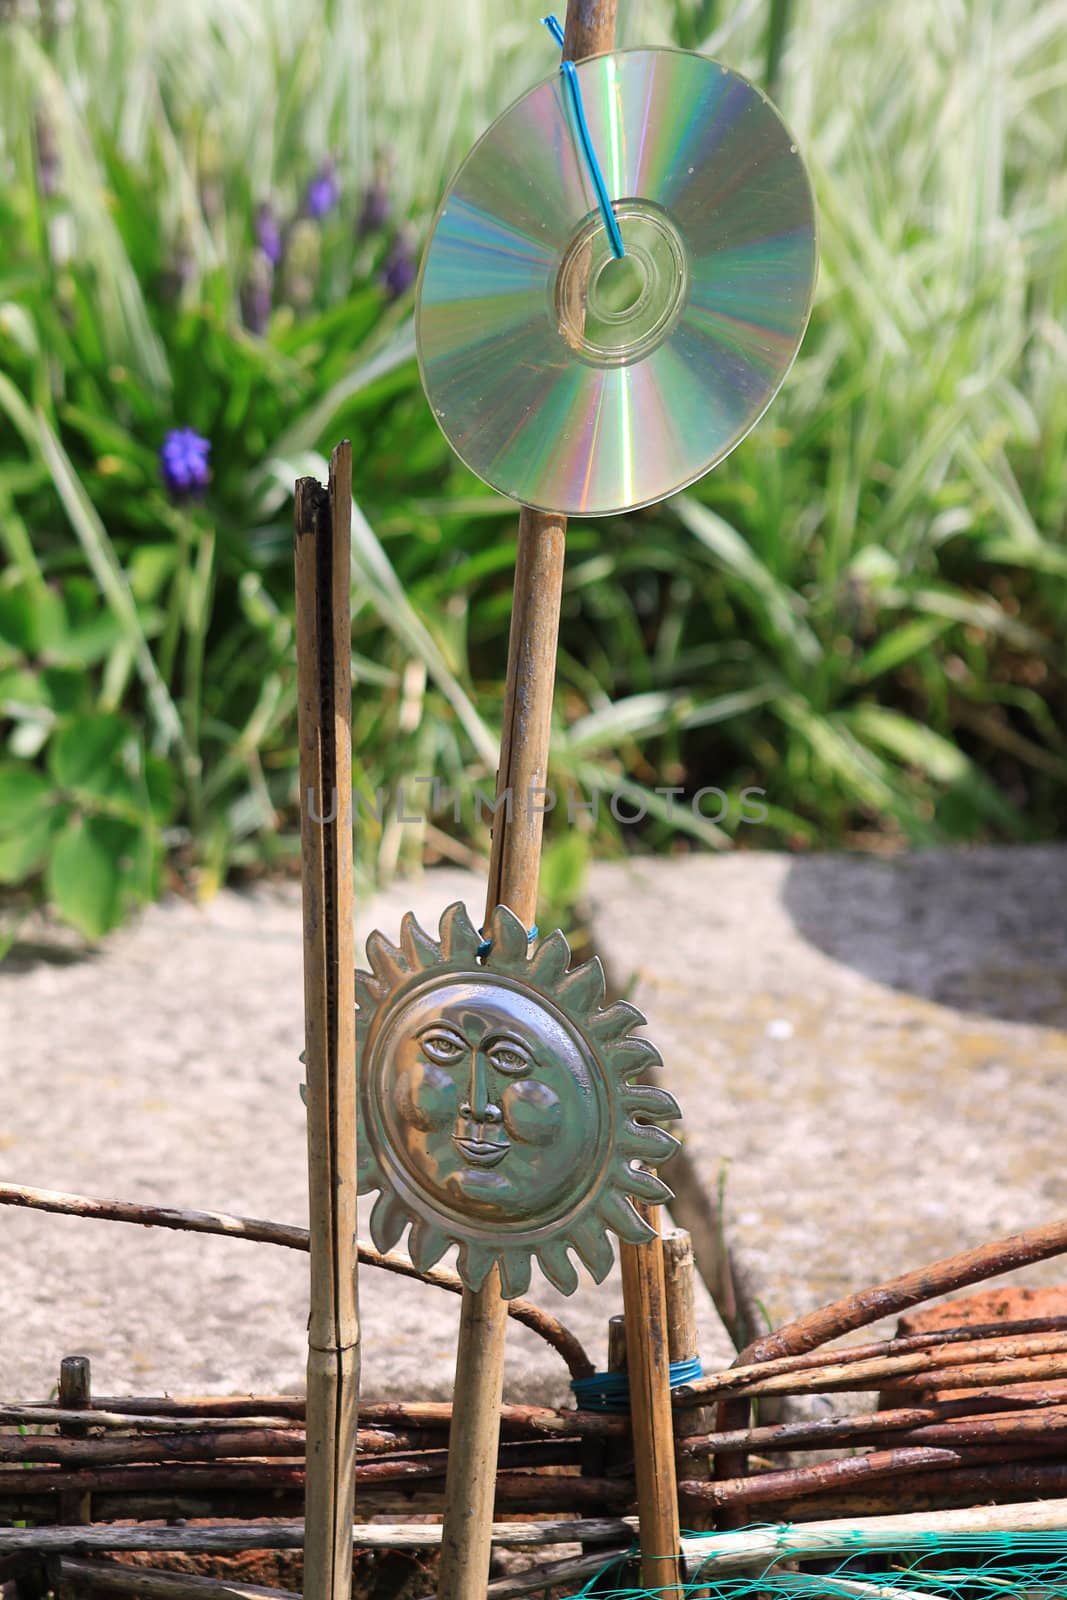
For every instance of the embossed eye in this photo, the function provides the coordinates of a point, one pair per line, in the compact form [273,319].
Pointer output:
[442,1047]
[509,1058]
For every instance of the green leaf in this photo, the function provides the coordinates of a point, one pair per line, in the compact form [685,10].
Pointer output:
[162,783]
[84,879]
[109,574]
[909,741]
[900,645]
[24,852]
[18,621]
[66,690]
[20,688]
[149,568]
[772,603]
[84,754]
[23,792]
[82,646]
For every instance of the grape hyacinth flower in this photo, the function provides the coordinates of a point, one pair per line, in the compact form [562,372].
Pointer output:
[399,270]
[374,212]
[184,463]
[323,191]
[268,234]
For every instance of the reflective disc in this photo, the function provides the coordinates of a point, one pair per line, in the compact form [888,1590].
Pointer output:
[579,383]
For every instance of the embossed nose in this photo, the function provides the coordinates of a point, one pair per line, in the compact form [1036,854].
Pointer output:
[479,1136]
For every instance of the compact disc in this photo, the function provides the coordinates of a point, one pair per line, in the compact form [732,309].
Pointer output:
[577,382]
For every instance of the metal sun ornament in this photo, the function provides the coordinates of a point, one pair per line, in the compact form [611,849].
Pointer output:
[498,1110]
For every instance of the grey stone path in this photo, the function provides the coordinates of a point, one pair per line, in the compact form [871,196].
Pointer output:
[164,1069]
[874,1052]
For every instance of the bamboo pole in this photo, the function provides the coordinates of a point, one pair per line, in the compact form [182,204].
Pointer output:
[683,1344]
[324,678]
[648,1366]
[513,874]
[683,1341]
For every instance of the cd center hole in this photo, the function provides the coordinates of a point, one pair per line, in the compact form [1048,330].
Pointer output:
[619,285]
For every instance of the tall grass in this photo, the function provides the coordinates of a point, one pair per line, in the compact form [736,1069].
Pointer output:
[860,612]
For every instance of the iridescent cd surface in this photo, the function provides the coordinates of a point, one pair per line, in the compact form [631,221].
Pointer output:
[576,383]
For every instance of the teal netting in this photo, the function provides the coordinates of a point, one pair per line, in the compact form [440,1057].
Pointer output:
[1025,1566]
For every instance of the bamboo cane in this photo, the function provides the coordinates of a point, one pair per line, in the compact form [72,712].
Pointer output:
[324,676]
[513,874]
[648,1366]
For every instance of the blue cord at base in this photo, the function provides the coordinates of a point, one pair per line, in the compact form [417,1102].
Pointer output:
[487,944]
[610,1391]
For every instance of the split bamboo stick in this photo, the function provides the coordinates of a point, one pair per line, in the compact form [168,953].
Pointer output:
[648,1367]
[324,679]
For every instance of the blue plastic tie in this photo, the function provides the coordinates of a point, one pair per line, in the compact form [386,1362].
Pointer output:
[570,78]
[610,1391]
[487,944]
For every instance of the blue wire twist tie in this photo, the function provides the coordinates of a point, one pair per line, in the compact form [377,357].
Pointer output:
[570,78]
[610,1391]
[487,944]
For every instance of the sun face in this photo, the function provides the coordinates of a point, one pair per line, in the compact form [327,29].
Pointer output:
[497,1107]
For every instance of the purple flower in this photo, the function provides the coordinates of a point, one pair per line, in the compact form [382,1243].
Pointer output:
[268,234]
[183,463]
[323,191]
[374,212]
[398,272]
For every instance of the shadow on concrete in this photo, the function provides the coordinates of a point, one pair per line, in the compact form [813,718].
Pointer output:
[982,930]
[26,954]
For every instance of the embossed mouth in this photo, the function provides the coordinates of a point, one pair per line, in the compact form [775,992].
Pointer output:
[481,1152]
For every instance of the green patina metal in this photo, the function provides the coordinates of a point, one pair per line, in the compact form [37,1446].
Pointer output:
[498,1108]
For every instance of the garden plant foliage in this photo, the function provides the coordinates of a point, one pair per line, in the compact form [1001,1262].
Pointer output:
[210,218]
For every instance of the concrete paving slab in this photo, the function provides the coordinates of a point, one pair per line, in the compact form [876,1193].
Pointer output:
[164,1068]
[874,1050]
